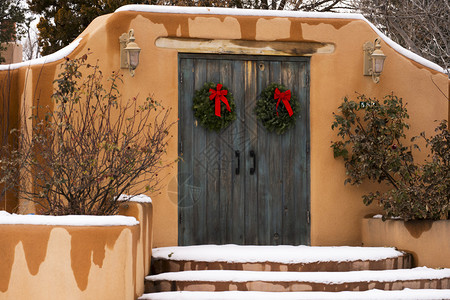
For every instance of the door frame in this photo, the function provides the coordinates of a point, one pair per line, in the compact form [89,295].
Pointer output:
[243,57]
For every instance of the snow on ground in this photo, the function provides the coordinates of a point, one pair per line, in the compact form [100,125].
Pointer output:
[71,220]
[316,277]
[278,13]
[60,54]
[279,254]
[371,294]
[136,198]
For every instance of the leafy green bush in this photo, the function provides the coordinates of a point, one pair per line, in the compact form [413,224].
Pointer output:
[374,147]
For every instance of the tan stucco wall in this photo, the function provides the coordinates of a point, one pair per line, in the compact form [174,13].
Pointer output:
[63,262]
[77,262]
[336,210]
[143,212]
[427,241]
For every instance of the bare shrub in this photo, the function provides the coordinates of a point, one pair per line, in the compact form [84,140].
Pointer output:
[80,155]
[419,25]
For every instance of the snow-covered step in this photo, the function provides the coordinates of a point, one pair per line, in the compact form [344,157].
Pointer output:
[277,258]
[406,294]
[226,280]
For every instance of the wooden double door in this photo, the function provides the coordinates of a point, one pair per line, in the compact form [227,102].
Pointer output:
[243,185]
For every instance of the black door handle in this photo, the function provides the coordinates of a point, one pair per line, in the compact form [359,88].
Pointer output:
[238,155]
[253,155]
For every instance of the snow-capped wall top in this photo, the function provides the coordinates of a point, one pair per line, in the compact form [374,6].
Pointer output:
[236,11]
[279,13]
[60,54]
[13,219]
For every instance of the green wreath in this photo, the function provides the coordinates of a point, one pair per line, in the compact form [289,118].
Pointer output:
[214,106]
[277,108]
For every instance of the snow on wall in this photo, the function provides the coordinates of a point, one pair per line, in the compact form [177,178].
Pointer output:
[60,54]
[277,13]
[71,220]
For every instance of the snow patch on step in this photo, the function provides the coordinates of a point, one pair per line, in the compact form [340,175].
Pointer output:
[406,294]
[277,254]
[141,198]
[313,277]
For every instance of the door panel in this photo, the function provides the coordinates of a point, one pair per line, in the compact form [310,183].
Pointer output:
[216,205]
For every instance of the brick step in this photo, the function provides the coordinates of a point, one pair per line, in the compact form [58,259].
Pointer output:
[277,258]
[406,294]
[225,280]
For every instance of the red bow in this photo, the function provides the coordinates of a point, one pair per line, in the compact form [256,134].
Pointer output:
[285,97]
[219,96]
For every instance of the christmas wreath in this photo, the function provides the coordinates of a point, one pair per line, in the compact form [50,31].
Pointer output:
[214,106]
[277,108]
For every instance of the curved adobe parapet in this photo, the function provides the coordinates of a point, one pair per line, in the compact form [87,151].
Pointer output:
[335,19]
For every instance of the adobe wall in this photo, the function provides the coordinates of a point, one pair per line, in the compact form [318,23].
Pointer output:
[336,210]
[77,262]
[54,262]
[423,239]
[143,213]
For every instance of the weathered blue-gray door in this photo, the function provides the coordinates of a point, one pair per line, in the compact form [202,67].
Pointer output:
[243,185]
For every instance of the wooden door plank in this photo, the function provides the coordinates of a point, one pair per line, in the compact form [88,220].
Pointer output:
[185,179]
[237,216]
[226,161]
[290,161]
[213,179]
[200,161]
[276,164]
[303,228]
[267,176]
[251,225]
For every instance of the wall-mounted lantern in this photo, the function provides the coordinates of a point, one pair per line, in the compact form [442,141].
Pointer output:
[373,59]
[129,52]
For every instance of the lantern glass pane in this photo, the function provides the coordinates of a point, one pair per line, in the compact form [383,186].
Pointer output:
[133,58]
[378,63]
